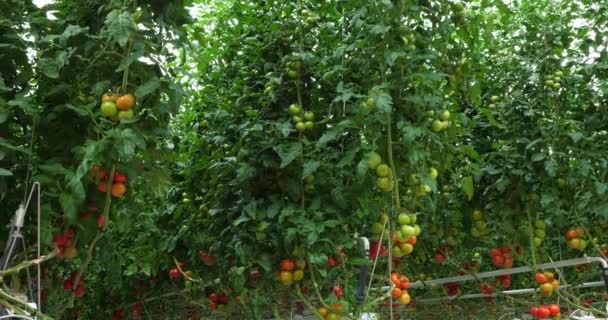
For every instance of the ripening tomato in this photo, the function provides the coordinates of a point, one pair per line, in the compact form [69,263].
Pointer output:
[540,278]
[125,102]
[119,190]
[102,187]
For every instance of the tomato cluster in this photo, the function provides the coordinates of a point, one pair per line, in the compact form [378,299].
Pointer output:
[543,312]
[65,244]
[442,122]
[385,180]
[504,280]
[406,237]
[553,81]
[175,272]
[459,10]
[207,259]
[291,271]
[419,188]
[119,187]
[218,301]
[302,120]
[539,232]
[548,283]
[402,283]
[334,312]
[452,288]
[502,257]
[118,107]
[480,228]
[575,238]
[68,285]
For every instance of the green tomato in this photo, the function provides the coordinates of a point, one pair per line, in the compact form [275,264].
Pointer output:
[557,79]
[492,106]
[556,85]
[405,40]
[309,115]
[537,241]
[260,236]
[540,224]
[108,109]
[407,230]
[549,82]
[433,173]
[457,6]
[404,219]
[430,113]
[397,252]
[374,160]
[126,114]
[292,73]
[385,184]
[559,73]
[494,99]
[561,182]
[300,126]
[360,43]
[444,125]
[540,233]
[295,109]
[309,124]
[413,218]
[268,90]
[376,228]
[413,179]
[309,179]
[444,115]
[411,47]
[437,125]
[186,200]
[383,170]
[297,119]
[370,103]
[417,230]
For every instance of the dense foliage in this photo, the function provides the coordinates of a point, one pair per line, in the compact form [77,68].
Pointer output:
[460,137]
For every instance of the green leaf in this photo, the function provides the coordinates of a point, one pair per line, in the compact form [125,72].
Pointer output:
[475,94]
[310,168]
[119,24]
[467,186]
[333,133]
[70,31]
[491,119]
[288,152]
[5,173]
[551,167]
[3,86]
[49,68]
[147,88]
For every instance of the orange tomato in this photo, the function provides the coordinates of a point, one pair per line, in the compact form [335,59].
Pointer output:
[125,102]
[571,233]
[287,265]
[119,190]
[396,293]
[412,240]
[580,232]
[540,278]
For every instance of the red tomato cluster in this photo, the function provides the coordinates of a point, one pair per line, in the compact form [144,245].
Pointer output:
[402,283]
[441,253]
[64,243]
[376,250]
[488,288]
[502,257]
[548,283]
[334,312]
[452,288]
[543,312]
[68,285]
[119,187]
[469,267]
[137,309]
[504,280]
[217,300]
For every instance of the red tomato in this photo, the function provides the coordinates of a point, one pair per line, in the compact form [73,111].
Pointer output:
[498,260]
[543,312]
[495,252]
[287,265]
[554,308]
[174,273]
[331,261]
[540,278]
[534,311]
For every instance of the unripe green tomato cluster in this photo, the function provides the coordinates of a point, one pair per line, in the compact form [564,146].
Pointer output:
[377,227]
[309,17]
[480,228]
[459,10]
[493,101]
[421,189]
[553,81]
[442,122]
[385,180]
[369,104]
[409,41]
[292,68]
[406,235]
[302,120]
[309,183]
[539,232]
